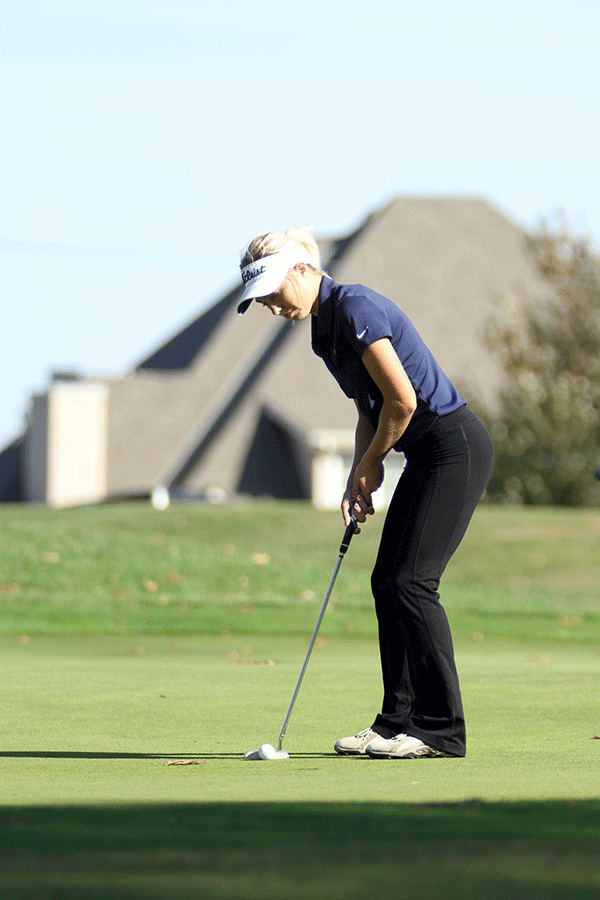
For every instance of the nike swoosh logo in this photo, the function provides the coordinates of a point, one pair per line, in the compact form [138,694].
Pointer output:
[362,334]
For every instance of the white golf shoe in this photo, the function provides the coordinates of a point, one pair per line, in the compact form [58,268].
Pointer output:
[355,745]
[402,746]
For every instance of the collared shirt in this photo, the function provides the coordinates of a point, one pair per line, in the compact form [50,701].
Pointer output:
[350,318]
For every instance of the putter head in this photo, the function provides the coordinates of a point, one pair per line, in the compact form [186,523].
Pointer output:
[268,751]
[271,753]
[251,754]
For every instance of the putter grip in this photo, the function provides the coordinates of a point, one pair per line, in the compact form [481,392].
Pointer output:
[348,534]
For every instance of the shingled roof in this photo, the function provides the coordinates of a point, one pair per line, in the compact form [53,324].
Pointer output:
[193,414]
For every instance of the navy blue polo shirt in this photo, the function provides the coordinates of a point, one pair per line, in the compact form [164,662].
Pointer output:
[350,318]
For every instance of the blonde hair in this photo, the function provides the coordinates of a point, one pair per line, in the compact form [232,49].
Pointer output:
[275,241]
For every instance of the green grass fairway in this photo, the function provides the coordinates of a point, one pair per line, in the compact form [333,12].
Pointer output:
[132,639]
[96,719]
[89,803]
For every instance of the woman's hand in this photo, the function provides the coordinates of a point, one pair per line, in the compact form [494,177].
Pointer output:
[368,477]
[347,505]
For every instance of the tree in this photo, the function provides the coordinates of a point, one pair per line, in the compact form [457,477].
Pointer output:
[547,432]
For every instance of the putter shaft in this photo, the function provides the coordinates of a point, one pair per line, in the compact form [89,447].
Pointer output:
[343,547]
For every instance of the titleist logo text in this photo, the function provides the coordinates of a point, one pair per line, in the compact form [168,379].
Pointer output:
[248,276]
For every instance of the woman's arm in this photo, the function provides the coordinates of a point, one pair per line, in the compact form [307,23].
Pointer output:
[363,437]
[399,404]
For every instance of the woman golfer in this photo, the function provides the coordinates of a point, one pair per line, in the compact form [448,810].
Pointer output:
[406,403]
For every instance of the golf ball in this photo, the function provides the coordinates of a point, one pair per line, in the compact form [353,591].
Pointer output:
[160,497]
[266,751]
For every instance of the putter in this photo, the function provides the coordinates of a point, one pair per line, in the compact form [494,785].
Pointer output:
[267,751]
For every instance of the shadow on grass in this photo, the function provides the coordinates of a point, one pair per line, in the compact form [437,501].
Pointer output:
[303,851]
[75,754]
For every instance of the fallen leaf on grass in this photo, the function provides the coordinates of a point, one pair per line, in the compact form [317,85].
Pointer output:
[175,578]
[51,557]
[261,559]
[252,662]
[186,762]
[539,661]
[571,622]
[234,659]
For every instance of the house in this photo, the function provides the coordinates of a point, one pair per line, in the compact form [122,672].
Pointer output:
[239,405]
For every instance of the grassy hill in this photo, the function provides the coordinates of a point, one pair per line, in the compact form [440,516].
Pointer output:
[264,569]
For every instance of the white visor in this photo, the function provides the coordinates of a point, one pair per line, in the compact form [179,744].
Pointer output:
[265,276]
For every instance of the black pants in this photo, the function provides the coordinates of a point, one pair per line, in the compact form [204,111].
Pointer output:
[445,476]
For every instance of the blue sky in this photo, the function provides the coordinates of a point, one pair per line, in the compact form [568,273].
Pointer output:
[145,142]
